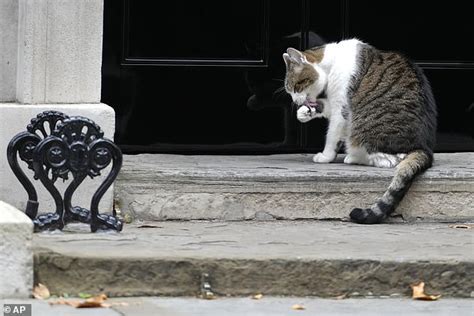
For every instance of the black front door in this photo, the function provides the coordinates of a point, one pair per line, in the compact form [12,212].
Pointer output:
[206,76]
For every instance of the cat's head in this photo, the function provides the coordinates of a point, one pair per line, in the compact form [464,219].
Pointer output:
[305,80]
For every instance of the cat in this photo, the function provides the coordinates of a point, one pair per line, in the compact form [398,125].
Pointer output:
[378,103]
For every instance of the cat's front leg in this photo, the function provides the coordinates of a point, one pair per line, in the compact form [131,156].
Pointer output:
[336,133]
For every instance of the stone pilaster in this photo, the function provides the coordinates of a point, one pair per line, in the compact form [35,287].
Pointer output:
[54,50]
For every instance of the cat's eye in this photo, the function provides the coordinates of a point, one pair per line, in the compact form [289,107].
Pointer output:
[302,82]
[300,85]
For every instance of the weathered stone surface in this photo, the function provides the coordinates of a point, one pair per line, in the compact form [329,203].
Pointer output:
[267,306]
[159,187]
[275,258]
[60,56]
[9,46]
[16,255]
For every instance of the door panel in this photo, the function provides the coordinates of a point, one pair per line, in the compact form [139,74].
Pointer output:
[426,31]
[193,79]
[196,32]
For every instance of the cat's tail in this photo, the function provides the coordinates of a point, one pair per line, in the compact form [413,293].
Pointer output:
[406,171]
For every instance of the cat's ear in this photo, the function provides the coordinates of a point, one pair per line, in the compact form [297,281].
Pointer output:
[296,56]
[287,59]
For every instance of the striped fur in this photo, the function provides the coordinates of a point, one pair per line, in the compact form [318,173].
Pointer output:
[379,103]
[414,163]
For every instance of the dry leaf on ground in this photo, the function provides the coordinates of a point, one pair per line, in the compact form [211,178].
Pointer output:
[257,296]
[463,226]
[419,293]
[95,301]
[41,292]
[341,297]
[298,307]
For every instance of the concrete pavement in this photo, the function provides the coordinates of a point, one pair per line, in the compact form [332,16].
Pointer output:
[267,306]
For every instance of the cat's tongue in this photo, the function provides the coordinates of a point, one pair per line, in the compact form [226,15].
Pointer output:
[311,104]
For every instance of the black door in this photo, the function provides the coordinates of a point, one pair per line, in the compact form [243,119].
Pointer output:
[206,76]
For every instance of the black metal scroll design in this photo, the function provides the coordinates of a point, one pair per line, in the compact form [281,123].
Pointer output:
[70,145]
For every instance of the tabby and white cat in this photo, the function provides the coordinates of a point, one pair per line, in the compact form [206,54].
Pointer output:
[378,103]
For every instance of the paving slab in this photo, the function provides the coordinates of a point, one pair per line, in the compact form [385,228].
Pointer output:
[278,306]
[267,306]
[300,258]
[177,187]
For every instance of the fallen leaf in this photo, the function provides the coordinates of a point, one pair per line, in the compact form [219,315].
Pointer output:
[463,226]
[257,296]
[419,293]
[298,307]
[341,297]
[95,301]
[41,292]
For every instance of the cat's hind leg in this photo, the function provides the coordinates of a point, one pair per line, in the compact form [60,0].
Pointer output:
[356,156]
[359,156]
[382,160]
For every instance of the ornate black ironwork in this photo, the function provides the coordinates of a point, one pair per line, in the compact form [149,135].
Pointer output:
[55,146]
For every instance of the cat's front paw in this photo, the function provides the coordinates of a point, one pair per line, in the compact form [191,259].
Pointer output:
[304,114]
[322,158]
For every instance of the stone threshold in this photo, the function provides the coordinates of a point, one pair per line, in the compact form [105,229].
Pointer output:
[177,187]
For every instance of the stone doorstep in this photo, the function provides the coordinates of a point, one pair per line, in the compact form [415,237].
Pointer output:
[289,258]
[176,187]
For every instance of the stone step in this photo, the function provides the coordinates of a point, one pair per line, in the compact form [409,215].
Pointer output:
[176,187]
[290,258]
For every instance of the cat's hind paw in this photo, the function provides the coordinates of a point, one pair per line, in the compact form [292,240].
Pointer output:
[354,160]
